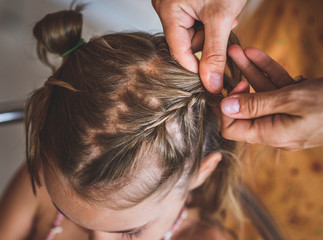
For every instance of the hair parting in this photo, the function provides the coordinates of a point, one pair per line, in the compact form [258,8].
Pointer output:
[118,100]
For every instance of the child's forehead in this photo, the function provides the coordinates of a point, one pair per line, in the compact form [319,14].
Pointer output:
[144,178]
[125,196]
[96,217]
[143,182]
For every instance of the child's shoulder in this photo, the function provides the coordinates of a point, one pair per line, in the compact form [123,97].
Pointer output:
[18,206]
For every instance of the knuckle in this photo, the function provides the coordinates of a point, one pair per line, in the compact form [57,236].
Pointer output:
[155,3]
[211,13]
[283,80]
[268,62]
[252,105]
[214,56]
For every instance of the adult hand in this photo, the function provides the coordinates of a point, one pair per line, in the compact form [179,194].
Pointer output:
[178,18]
[288,116]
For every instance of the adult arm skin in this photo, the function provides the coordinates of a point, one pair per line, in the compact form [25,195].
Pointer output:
[178,18]
[281,114]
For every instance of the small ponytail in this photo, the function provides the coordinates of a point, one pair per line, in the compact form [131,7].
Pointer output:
[57,33]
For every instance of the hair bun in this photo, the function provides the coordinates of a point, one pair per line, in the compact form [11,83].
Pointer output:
[57,33]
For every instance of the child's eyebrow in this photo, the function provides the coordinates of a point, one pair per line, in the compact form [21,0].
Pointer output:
[122,231]
[131,230]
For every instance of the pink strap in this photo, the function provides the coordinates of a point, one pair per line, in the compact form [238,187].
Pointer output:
[56,227]
[177,224]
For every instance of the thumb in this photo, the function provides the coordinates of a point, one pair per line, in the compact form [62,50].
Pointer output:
[213,59]
[255,105]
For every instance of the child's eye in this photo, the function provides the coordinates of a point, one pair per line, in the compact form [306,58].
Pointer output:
[133,234]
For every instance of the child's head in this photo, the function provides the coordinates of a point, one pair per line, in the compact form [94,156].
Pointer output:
[122,133]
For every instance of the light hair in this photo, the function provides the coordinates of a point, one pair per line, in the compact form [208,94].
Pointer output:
[112,98]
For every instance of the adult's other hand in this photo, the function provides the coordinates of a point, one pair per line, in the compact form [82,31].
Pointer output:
[282,114]
[179,18]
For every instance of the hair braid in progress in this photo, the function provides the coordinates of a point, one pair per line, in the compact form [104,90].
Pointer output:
[119,101]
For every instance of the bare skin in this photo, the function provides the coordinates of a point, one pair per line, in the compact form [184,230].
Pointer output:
[283,114]
[25,216]
[218,17]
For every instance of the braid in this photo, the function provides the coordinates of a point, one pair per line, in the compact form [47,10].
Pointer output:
[118,99]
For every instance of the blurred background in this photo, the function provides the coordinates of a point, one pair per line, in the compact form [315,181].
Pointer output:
[291,31]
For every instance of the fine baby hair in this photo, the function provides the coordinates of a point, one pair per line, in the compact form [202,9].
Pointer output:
[118,105]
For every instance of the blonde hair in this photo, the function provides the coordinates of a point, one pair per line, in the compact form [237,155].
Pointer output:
[115,95]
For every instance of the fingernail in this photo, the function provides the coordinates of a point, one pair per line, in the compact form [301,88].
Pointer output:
[231,106]
[216,81]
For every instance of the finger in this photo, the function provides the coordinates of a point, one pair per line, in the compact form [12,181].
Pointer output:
[179,42]
[198,41]
[242,87]
[277,74]
[267,130]
[155,4]
[198,38]
[239,129]
[234,24]
[214,53]
[254,76]
[254,105]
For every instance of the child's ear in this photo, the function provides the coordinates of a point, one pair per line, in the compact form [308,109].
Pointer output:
[208,165]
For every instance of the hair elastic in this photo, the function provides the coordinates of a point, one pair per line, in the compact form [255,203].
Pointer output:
[79,44]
